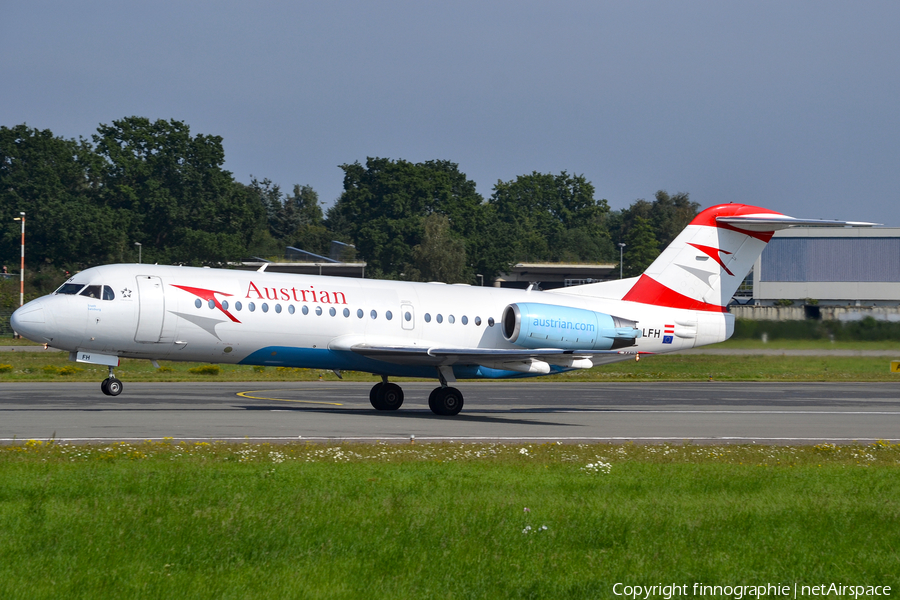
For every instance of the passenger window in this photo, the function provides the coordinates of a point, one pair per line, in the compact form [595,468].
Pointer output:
[428,317]
[346,312]
[278,308]
[465,320]
[91,291]
[291,308]
[238,306]
[388,315]
[225,304]
[478,321]
[108,293]
[451,319]
[319,311]
[439,318]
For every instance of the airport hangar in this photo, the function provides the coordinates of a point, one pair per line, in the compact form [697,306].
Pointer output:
[832,274]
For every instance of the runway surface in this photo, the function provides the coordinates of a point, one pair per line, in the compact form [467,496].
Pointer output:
[702,412]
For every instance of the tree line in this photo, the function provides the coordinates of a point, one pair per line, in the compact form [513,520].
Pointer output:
[152,182]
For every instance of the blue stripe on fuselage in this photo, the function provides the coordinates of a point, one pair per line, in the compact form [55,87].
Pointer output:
[323,358]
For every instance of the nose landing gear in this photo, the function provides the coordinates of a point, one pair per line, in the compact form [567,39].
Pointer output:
[111,386]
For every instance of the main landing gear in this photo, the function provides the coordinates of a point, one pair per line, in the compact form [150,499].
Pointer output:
[111,386]
[386,396]
[445,401]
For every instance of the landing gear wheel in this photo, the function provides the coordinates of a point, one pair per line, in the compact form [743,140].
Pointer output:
[390,397]
[103,387]
[113,386]
[445,401]
[373,395]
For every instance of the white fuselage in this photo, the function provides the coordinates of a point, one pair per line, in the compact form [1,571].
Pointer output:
[249,317]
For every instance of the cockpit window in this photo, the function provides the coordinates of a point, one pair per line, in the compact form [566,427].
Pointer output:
[108,293]
[70,288]
[91,291]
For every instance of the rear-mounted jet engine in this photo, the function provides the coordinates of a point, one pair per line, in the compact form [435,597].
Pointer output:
[532,325]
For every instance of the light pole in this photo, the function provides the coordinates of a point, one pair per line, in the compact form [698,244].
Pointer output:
[621,251]
[138,244]
[480,278]
[21,217]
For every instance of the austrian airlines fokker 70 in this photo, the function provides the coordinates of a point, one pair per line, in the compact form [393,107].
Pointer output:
[402,329]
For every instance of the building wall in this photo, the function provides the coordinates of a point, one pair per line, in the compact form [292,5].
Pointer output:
[827,313]
[833,266]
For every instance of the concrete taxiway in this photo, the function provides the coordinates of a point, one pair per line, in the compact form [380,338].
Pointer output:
[700,412]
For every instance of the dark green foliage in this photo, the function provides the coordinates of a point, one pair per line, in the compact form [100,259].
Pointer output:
[56,183]
[155,183]
[184,206]
[641,247]
[551,218]
[867,329]
[440,256]
[667,216]
[142,181]
[383,204]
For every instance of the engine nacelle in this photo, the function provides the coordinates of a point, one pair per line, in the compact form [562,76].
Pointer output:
[532,325]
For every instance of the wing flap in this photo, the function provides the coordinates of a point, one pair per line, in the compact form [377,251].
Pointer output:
[514,359]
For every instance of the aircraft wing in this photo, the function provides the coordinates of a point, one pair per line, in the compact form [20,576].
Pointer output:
[514,359]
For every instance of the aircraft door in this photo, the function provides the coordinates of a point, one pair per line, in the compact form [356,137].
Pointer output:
[407,316]
[152,309]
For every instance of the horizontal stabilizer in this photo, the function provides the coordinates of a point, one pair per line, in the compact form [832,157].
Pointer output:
[775,222]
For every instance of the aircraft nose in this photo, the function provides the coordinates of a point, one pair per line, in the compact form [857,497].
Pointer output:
[33,321]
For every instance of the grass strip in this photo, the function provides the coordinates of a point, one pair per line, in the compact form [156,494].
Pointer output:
[439,521]
[43,366]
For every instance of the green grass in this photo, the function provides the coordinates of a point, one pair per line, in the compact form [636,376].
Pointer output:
[44,366]
[439,521]
[821,344]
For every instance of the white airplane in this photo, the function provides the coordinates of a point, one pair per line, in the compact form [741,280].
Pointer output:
[402,329]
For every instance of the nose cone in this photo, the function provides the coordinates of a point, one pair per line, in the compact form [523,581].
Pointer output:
[34,322]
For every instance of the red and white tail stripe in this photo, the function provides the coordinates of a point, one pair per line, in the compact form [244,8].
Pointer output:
[704,266]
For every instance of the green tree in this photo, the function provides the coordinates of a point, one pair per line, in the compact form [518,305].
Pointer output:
[440,256]
[54,181]
[552,218]
[670,215]
[641,247]
[184,206]
[305,221]
[383,203]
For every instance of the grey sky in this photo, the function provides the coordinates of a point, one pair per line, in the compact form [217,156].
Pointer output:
[788,105]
